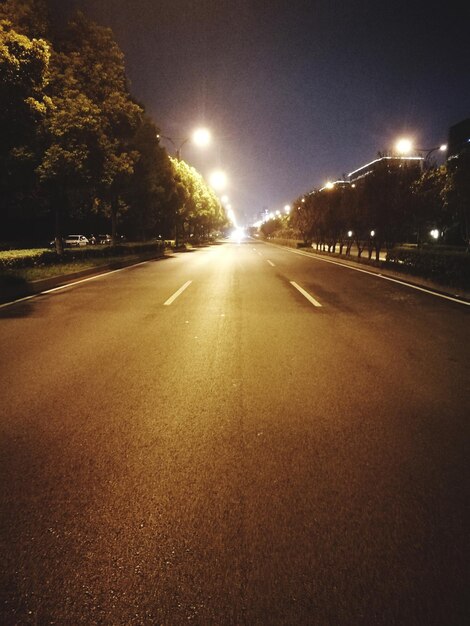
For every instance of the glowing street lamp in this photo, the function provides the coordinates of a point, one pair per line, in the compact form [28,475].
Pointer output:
[218,180]
[287,209]
[201,137]
[329,185]
[405,146]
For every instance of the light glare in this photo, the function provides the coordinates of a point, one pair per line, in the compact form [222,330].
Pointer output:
[404,146]
[202,137]
[218,180]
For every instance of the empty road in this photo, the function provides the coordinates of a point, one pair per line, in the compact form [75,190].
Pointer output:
[238,435]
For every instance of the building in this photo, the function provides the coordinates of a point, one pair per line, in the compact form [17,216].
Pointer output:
[393,162]
[459,138]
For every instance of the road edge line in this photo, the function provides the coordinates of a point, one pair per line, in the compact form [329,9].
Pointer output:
[376,274]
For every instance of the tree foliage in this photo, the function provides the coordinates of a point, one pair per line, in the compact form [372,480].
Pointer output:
[393,203]
[198,210]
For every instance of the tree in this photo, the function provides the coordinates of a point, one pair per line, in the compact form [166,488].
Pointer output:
[24,73]
[28,17]
[97,65]
[152,188]
[302,216]
[198,210]
[385,198]
[427,208]
[456,193]
[88,159]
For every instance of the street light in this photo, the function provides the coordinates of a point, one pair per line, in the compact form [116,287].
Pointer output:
[201,137]
[405,146]
[218,180]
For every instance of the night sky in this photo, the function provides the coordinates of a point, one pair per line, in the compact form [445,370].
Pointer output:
[296,93]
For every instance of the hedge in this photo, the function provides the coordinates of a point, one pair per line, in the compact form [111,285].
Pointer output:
[445,266]
[16,259]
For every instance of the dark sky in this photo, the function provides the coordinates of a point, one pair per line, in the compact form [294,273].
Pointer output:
[296,93]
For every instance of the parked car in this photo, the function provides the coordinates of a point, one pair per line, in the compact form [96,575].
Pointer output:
[105,239]
[76,240]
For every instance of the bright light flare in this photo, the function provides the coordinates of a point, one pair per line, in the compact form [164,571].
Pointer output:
[218,180]
[434,233]
[287,209]
[237,234]
[404,146]
[231,216]
[202,137]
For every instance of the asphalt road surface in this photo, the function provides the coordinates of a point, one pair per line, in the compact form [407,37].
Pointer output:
[238,435]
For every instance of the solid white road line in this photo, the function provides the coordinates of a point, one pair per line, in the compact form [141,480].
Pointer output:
[357,269]
[270,263]
[305,294]
[76,282]
[177,293]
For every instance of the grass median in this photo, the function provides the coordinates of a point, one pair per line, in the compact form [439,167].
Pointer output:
[28,266]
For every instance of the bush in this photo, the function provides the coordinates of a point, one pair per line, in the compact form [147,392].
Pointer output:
[16,259]
[445,266]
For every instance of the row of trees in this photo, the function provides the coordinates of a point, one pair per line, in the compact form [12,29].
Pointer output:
[395,202]
[76,146]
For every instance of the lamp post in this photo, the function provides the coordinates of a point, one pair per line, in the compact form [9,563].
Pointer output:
[405,146]
[200,137]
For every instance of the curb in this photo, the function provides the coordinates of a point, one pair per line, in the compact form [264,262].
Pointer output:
[414,281]
[22,290]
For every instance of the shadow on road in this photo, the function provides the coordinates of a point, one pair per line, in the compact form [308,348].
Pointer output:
[19,309]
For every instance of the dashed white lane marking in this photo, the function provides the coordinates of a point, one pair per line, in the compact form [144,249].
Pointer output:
[310,298]
[270,263]
[392,280]
[177,293]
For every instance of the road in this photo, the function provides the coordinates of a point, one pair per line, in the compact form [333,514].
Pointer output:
[197,440]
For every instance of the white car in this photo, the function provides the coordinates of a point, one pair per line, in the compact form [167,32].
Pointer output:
[76,240]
